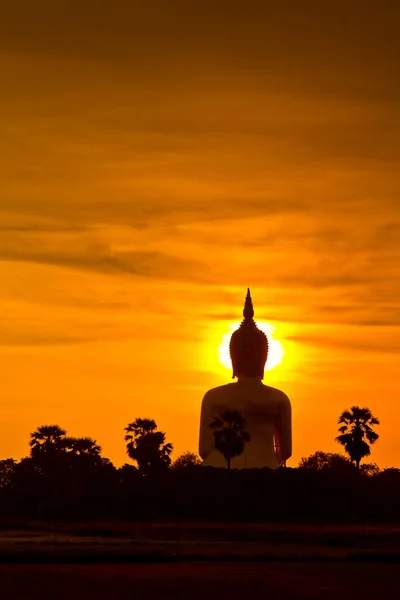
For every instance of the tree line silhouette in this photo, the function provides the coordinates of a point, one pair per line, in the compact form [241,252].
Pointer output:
[68,478]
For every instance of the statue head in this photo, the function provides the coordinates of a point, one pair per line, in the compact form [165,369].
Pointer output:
[248,346]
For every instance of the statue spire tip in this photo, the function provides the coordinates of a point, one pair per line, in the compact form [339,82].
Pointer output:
[248,311]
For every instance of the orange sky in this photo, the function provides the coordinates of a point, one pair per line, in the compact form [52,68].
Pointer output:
[159,157]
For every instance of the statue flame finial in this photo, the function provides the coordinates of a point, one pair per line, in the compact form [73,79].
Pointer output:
[248,311]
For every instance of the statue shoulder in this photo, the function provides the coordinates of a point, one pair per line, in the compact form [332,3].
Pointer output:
[217,392]
[277,394]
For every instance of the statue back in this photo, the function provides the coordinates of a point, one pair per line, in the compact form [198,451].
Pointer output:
[265,410]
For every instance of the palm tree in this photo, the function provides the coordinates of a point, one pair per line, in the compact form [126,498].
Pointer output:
[356,433]
[230,435]
[147,446]
[47,439]
[82,446]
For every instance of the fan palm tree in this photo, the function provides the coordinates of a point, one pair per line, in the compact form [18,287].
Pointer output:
[82,446]
[147,446]
[230,434]
[356,433]
[47,439]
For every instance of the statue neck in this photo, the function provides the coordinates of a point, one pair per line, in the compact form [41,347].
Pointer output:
[243,379]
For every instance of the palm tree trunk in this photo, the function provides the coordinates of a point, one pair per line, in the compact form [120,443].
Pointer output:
[229,463]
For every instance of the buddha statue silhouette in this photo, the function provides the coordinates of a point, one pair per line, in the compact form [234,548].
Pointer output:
[267,410]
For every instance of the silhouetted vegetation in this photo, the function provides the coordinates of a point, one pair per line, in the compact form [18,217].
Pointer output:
[7,472]
[68,478]
[230,434]
[147,446]
[356,433]
[320,461]
[47,440]
[186,460]
[337,463]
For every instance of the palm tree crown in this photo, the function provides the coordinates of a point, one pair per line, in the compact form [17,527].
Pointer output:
[230,435]
[356,433]
[147,446]
[47,439]
[82,446]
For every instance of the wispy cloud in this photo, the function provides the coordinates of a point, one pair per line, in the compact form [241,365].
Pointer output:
[147,264]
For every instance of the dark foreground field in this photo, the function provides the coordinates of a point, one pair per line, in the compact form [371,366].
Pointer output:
[205,581]
[198,561]
[120,542]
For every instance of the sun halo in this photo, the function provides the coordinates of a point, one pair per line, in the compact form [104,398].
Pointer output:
[275,348]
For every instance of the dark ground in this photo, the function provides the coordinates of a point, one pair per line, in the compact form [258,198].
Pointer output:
[165,542]
[199,561]
[202,581]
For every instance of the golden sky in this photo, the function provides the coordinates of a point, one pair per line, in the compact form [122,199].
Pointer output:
[159,157]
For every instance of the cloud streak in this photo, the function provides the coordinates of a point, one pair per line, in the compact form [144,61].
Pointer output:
[145,264]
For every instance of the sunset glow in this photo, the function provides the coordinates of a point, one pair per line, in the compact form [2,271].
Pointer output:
[159,158]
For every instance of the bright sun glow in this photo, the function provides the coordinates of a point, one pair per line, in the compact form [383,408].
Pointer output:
[275,352]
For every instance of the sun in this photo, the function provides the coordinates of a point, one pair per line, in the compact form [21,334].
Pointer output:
[276,352]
